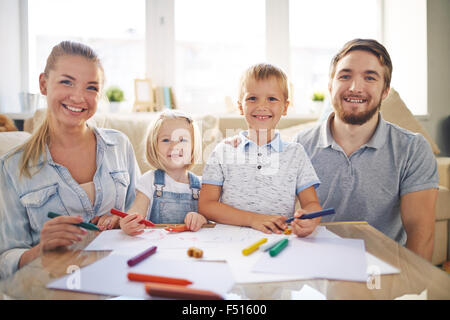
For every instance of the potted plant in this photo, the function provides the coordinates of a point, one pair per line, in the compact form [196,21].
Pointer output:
[115,96]
[317,98]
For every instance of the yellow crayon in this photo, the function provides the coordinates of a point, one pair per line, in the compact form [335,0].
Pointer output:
[253,247]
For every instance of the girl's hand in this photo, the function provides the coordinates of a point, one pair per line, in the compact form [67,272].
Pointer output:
[269,223]
[194,221]
[61,231]
[106,222]
[303,227]
[131,226]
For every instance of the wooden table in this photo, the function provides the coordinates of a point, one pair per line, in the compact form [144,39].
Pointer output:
[416,273]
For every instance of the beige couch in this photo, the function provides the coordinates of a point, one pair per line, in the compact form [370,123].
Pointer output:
[215,128]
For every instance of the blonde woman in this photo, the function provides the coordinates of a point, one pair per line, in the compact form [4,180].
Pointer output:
[67,167]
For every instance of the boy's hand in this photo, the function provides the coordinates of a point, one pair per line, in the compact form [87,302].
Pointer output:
[106,222]
[194,221]
[269,223]
[234,141]
[131,226]
[303,227]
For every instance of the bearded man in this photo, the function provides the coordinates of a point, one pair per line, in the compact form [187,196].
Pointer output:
[372,170]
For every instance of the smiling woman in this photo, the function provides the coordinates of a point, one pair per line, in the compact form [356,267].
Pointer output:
[66,167]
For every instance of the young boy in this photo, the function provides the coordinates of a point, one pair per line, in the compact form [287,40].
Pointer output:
[256,183]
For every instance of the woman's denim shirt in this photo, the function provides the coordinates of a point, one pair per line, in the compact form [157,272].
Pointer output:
[25,202]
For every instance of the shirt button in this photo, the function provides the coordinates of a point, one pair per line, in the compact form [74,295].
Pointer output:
[259,167]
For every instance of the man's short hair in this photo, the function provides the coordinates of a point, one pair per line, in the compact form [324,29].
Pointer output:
[368,45]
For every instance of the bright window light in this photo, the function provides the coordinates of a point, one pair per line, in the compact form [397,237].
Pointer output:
[215,41]
[115,29]
[318,29]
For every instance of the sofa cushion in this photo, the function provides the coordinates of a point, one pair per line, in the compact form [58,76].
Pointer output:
[394,110]
[11,139]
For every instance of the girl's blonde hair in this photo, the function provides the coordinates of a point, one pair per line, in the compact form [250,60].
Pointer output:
[152,154]
[34,147]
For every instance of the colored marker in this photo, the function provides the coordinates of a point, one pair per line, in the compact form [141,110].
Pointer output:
[147,253]
[180,292]
[313,215]
[177,228]
[253,247]
[85,225]
[269,245]
[278,247]
[160,279]
[121,214]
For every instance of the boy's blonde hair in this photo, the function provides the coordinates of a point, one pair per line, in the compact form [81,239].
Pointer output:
[152,154]
[34,147]
[264,71]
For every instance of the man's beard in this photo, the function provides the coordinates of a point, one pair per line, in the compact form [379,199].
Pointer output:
[357,118]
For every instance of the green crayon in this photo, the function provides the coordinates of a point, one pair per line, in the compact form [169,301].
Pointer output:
[85,225]
[276,249]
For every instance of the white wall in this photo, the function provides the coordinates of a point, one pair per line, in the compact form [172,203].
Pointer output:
[405,38]
[10,75]
[438,43]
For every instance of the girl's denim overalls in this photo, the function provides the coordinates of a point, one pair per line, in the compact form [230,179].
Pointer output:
[170,207]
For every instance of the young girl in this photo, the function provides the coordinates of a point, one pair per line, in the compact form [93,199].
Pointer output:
[169,194]
[256,184]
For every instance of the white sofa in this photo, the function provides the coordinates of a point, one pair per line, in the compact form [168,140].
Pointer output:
[214,129]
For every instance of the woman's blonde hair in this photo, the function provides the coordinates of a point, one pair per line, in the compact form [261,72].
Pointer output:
[152,153]
[34,147]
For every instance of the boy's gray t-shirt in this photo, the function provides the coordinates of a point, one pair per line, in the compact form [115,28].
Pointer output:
[367,185]
[262,179]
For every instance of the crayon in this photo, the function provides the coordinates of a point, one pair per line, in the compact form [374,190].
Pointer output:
[85,225]
[269,245]
[253,247]
[142,256]
[160,279]
[278,247]
[313,215]
[121,214]
[180,292]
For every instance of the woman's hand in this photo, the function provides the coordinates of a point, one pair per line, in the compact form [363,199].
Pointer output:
[303,227]
[269,223]
[106,222]
[61,231]
[131,226]
[194,221]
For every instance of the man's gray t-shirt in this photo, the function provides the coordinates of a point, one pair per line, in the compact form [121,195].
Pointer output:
[368,185]
[262,179]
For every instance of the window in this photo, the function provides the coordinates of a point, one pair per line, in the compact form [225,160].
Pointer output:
[215,41]
[201,47]
[115,29]
[318,29]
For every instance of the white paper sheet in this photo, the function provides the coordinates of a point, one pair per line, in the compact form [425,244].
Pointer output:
[108,276]
[339,259]
[223,242]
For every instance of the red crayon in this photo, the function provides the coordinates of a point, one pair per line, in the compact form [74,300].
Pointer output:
[121,214]
[180,292]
